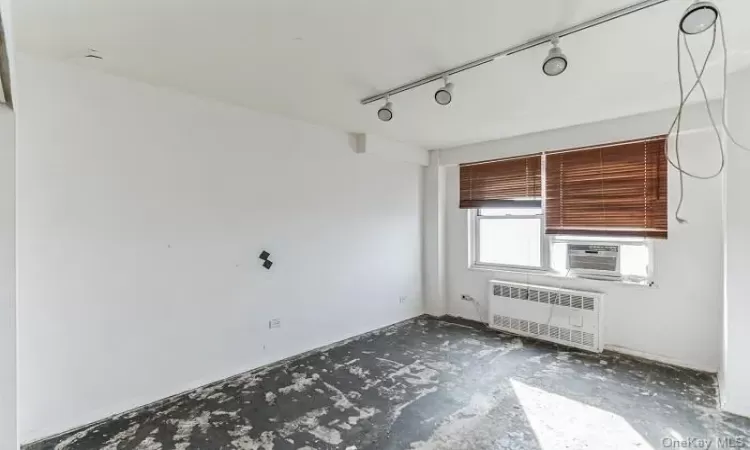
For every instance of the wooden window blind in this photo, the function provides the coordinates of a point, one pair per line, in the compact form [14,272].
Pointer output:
[516,181]
[614,190]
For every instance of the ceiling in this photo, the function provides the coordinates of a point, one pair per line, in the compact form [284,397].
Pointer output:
[315,59]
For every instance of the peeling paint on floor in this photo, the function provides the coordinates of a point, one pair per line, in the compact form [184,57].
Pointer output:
[429,385]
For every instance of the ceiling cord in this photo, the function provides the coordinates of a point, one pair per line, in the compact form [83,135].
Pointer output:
[699,83]
[677,122]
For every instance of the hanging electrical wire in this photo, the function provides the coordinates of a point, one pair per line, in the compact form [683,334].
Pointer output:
[677,122]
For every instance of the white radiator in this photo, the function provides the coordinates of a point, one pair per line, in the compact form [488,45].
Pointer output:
[563,316]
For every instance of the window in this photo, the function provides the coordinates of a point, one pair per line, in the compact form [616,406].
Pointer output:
[509,237]
[507,198]
[526,211]
[513,238]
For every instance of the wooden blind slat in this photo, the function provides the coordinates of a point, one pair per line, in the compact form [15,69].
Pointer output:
[493,183]
[613,190]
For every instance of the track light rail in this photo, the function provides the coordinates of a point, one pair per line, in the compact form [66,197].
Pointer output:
[515,49]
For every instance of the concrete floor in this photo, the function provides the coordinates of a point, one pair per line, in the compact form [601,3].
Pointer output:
[432,384]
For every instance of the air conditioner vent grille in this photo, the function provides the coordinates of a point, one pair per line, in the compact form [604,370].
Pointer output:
[594,263]
[593,257]
[542,296]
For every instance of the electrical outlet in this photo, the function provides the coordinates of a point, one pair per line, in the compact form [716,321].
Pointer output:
[274,323]
[467,298]
[402,299]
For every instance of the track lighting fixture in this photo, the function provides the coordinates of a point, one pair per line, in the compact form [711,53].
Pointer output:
[555,63]
[444,95]
[699,17]
[385,113]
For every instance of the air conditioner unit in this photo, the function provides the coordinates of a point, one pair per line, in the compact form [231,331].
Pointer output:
[594,260]
[562,316]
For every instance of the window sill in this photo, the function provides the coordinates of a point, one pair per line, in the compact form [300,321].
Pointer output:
[558,276]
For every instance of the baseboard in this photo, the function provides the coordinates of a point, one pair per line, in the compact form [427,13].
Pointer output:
[659,359]
[452,318]
[201,384]
[726,402]
[612,348]
[728,406]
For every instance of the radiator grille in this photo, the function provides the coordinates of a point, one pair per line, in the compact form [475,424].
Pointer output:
[542,296]
[541,329]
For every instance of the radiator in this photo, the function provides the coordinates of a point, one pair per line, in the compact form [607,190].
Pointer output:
[562,316]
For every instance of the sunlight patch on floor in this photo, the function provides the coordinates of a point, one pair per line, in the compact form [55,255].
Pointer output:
[560,422]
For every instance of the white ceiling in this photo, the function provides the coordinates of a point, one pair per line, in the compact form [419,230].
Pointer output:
[315,59]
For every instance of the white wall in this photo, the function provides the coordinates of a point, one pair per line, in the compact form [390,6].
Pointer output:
[8,394]
[735,374]
[141,213]
[678,321]
[434,238]
[7,281]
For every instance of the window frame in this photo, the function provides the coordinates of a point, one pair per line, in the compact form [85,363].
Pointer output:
[546,243]
[544,258]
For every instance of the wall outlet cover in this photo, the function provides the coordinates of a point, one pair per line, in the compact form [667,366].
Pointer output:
[274,323]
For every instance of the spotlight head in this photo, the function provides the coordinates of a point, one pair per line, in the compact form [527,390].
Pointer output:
[699,17]
[556,62]
[385,113]
[444,95]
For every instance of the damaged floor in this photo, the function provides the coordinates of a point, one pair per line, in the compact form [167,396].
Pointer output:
[431,384]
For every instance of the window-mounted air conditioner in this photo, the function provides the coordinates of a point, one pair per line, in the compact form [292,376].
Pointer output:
[594,260]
